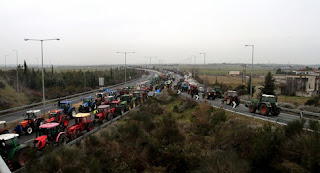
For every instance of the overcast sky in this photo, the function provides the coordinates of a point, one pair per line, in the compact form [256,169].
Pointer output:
[91,32]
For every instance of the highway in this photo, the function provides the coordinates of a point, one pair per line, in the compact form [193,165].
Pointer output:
[28,139]
[282,118]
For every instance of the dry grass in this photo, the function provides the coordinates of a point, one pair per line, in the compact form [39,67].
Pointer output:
[296,100]
[232,80]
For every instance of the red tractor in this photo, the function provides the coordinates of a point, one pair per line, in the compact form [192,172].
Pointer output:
[117,108]
[32,121]
[104,114]
[230,97]
[58,116]
[83,123]
[49,134]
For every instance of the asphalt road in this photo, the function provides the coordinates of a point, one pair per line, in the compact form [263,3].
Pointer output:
[282,118]
[28,139]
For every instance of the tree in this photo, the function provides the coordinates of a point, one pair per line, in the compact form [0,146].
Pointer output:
[269,85]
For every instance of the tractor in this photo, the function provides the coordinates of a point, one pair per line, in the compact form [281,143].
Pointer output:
[126,102]
[49,134]
[58,116]
[104,114]
[88,104]
[138,97]
[13,153]
[230,97]
[3,127]
[265,104]
[210,94]
[83,123]
[108,100]
[33,119]
[100,97]
[218,91]
[67,107]
[117,108]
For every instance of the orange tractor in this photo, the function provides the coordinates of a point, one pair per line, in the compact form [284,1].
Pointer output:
[58,116]
[83,123]
[32,121]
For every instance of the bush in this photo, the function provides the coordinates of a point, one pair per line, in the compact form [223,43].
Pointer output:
[310,108]
[294,127]
[218,116]
[287,105]
[314,125]
[313,101]
[2,85]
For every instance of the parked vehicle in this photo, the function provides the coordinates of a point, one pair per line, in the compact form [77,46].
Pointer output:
[13,153]
[231,96]
[88,104]
[108,100]
[83,123]
[104,114]
[58,116]
[33,119]
[211,94]
[100,97]
[50,134]
[67,107]
[126,102]
[265,104]
[117,108]
[3,127]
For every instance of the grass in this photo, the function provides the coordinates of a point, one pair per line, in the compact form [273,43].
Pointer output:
[10,95]
[296,100]
[233,81]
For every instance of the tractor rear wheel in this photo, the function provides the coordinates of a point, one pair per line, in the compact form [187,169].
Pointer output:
[228,101]
[21,157]
[264,110]
[252,109]
[276,111]
[90,127]
[62,140]
[29,130]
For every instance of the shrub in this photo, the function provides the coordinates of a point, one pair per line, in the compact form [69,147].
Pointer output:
[314,125]
[294,127]
[313,101]
[287,105]
[218,116]
[310,108]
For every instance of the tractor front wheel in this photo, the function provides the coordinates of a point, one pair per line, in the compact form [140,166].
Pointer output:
[252,109]
[21,157]
[276,111]
[62,140]
[264,110]
[29,130]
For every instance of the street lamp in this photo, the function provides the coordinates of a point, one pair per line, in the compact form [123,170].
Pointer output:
[125,64]
[17,77]
[42,40]
[204,71]
[5,61]
[251,70]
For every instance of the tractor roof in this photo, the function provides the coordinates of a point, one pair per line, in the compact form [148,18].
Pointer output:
[265,95]
[232,91]
[8,136]
[109,96]
[56,111]
[33,111]
[80,115]
[65,102]
[2,122]
[48,125]
[136,92]
[118,101]
[100,93]
[103,106]
[126,95]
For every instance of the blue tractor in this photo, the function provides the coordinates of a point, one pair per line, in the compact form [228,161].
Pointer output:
[88,105]
[67,107]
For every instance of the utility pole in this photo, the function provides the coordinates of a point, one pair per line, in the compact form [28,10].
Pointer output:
[5,61]
[17,78]
[204,71]
[125,64]
[251,71]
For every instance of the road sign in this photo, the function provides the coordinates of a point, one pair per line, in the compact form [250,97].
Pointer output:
[101,81]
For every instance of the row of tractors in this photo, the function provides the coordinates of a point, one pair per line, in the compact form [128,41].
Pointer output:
[265,104]
[57,130]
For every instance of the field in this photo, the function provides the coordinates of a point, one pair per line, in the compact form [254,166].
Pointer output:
[233,81]
[296,100]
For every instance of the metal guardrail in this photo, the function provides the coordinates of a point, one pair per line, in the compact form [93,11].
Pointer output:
[61,98]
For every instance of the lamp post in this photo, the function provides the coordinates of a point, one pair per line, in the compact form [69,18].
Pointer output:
[17,77]
[5,61]
[251,70]
[204,71]
[125,64]
[42,40]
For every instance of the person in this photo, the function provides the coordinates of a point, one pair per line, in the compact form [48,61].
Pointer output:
[95,112]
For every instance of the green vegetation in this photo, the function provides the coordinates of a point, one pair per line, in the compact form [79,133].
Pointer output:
[269,86]
[175,134]
[57,84]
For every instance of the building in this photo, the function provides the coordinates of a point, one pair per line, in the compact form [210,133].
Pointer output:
[234,72]
[301,84]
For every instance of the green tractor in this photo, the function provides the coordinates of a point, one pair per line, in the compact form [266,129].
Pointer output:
[13,153]
[218,91]
[265,104]
[139,97]
[127,102]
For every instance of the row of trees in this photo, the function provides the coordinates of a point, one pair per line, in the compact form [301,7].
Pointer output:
[59,84]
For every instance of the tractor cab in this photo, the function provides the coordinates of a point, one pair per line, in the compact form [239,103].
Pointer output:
[58,116]
[83,123]
[88,104]
[268,98]
[3,127]
[11,151]
[49,133]
[100,97]
[232,94]
[103,111]
[108,100]
[32,115]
